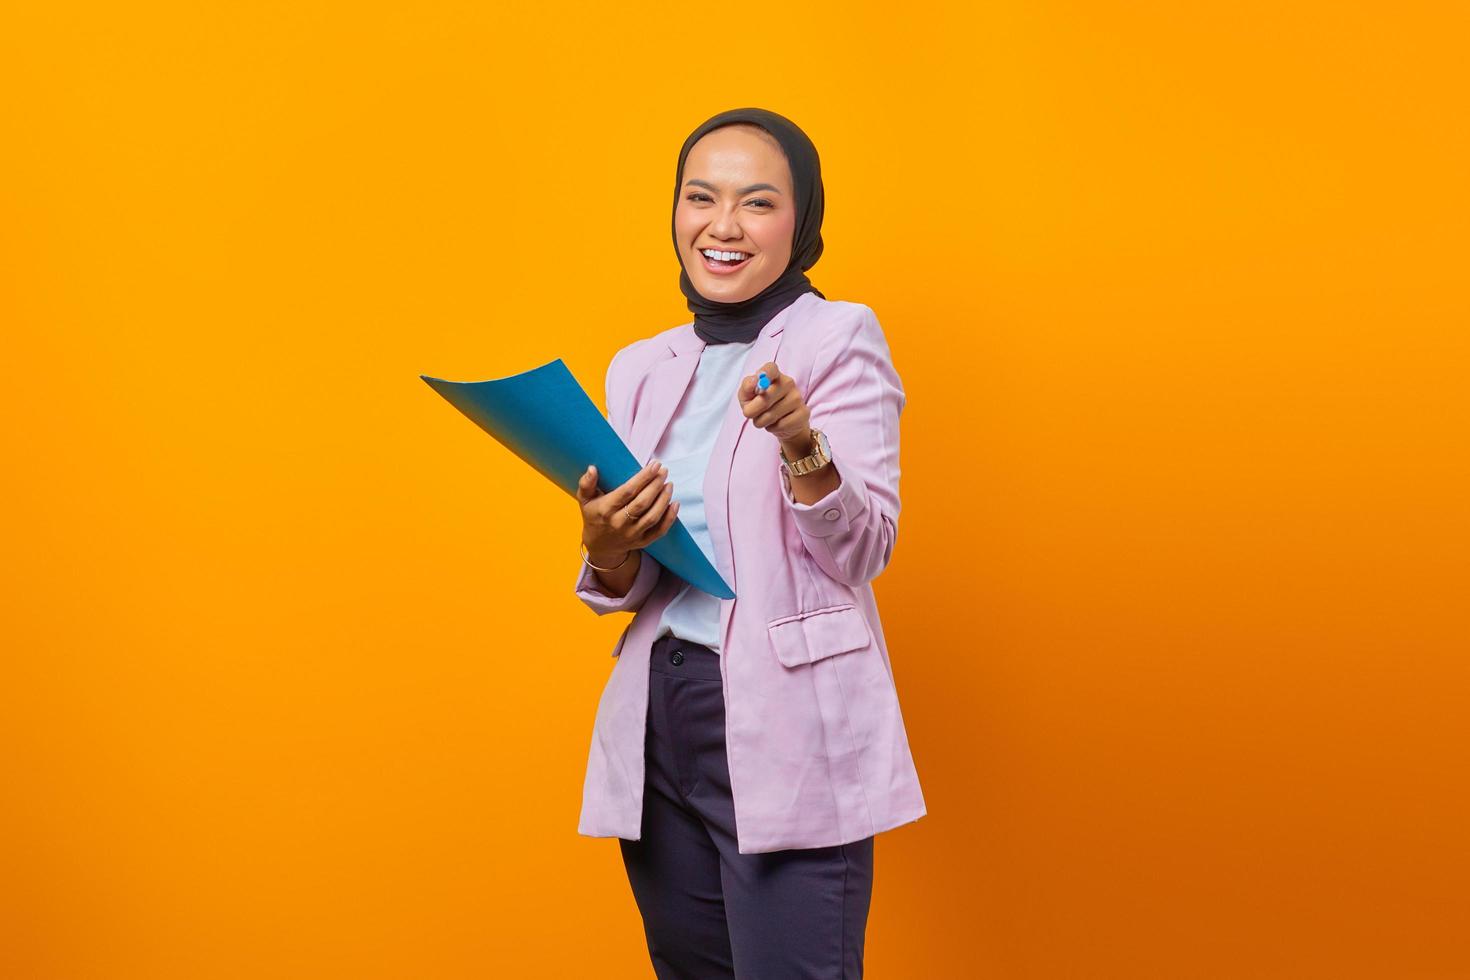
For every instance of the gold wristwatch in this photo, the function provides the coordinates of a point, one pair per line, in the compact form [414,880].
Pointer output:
[818,459]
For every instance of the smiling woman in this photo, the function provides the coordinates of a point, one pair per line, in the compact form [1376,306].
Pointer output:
[747,751]
[721,258]
[702,215]
[747,221]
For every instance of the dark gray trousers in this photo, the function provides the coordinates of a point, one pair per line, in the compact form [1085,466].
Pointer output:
[710,912]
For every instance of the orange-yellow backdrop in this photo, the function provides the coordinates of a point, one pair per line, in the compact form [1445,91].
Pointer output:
[295,684]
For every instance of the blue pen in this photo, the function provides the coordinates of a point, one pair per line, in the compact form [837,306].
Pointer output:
[763,382]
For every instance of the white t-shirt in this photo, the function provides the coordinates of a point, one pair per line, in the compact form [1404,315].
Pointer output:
[694,614]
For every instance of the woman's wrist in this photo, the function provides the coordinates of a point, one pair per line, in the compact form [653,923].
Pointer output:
[799,446]
[616,576]
[608,560]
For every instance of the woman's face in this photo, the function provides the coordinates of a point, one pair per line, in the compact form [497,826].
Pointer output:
[736,197]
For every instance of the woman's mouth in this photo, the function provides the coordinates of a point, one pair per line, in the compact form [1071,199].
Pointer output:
[724,267]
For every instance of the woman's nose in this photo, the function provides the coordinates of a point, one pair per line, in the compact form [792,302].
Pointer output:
[725,226]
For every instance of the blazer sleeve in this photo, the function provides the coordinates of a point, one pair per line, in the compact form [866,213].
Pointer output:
[587,586]
[602,603]
[855,397]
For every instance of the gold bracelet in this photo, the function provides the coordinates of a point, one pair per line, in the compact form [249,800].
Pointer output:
[599,567]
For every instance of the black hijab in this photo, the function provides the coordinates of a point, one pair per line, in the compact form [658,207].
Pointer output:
[724,323]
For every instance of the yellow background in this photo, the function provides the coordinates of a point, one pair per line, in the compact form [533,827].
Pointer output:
[294,682]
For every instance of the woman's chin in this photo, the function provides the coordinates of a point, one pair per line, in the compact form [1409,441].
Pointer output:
[720,289]
[723,292]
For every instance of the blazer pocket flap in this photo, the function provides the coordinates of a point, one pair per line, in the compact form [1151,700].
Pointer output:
[808,636]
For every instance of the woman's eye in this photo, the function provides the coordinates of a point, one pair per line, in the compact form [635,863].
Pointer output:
[702,197]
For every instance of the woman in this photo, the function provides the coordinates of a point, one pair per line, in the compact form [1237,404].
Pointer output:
[747,751]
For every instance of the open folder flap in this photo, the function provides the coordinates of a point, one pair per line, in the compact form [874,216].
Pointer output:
[546,418]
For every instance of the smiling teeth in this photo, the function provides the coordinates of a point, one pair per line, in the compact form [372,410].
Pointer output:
[724,256]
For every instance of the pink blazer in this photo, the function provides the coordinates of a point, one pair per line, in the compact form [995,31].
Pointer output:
[815,739]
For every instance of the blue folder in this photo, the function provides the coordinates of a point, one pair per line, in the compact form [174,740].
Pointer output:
[545,417]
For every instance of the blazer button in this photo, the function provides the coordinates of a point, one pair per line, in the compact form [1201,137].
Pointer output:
[676,658]
[831,513]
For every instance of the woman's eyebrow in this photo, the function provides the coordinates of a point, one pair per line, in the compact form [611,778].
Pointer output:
[744,190]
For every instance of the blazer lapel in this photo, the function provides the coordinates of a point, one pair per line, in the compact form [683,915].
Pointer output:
[666,383]
[722,456]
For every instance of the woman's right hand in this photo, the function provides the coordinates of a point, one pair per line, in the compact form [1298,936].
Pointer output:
[628,517]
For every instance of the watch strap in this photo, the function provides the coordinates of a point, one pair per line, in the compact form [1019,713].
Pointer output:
[806,464]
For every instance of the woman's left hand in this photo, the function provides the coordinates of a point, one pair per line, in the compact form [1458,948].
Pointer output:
[780,409]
